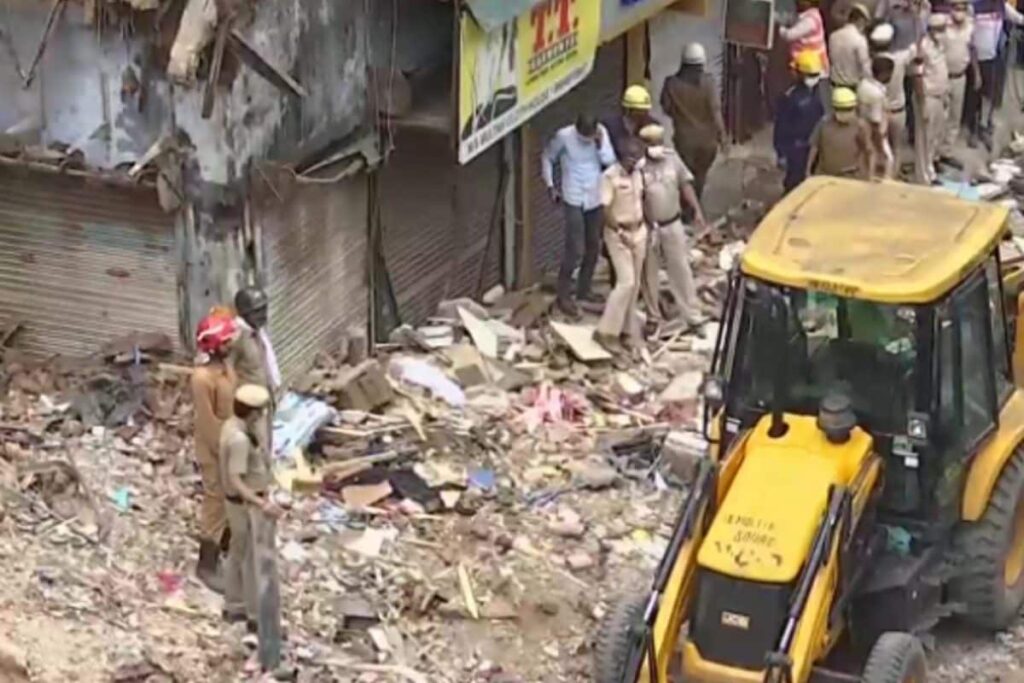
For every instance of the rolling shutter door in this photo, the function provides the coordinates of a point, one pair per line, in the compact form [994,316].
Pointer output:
[598,94]
[435,220]
[314,245]
[82,263]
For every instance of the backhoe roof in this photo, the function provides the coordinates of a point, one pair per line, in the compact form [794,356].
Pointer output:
[888,242]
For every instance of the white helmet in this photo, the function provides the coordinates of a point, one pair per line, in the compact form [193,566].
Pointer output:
[694,54]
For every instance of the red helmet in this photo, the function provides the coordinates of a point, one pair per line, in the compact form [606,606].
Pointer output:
[215,331]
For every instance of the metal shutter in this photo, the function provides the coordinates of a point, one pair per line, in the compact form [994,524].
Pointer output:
[600,94]
[82,263]
[314,246]
[435,219]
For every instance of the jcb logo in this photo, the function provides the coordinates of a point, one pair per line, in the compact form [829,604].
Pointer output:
[733,620]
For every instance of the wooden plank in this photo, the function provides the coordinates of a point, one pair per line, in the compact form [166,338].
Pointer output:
[580,340]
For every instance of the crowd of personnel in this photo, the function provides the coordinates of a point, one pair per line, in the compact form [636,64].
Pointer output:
[234,390]
[896,73]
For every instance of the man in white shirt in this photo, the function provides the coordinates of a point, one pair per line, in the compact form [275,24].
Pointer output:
[848,49]
[581,152]
[871,103]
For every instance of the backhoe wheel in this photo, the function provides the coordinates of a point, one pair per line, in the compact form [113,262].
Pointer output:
[897,657]
[991,553]
[620,632]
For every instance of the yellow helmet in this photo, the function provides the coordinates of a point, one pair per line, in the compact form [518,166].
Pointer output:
[844,98]
[808,62]
[636,97]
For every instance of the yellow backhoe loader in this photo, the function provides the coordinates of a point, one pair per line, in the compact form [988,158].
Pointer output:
[865,477]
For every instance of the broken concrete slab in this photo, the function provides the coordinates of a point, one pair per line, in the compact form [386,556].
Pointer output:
[684,387]
[485,338]
[493,295]
[468,365]
[580,340]
[364,387]
[628,386]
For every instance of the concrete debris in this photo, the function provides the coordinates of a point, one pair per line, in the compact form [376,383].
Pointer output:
[490,466]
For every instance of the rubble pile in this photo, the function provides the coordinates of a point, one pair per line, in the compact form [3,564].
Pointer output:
[459,507]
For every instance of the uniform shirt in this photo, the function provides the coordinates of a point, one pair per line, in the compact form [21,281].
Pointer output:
[622,195]
[895,93]
[956,41]
[663,180]
[848,48]
[797,113]
[253,359]
[871,97]
[936,74]
[243,455]
[841,147]
[695,110]
[580,162]
[213,395]
[907,22]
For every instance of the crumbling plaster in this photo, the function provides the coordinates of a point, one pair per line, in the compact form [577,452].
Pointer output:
[78,89]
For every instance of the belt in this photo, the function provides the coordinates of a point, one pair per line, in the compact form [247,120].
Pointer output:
[626,227]
[670,221]
[959,75]
[898,111]
[238,500]
[844,85]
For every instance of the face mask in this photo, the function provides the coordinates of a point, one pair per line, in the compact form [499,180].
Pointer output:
[656,152]
[811,81]
[845,116]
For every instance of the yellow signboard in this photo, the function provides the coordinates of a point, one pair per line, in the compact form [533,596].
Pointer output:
[510,73]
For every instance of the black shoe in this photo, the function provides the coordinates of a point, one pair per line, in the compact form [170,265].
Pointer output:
[591,298]
[569,308]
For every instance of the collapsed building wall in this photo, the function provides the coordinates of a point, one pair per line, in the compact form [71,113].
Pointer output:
[290,87]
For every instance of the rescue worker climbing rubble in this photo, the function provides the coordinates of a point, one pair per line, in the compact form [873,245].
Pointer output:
[213,388]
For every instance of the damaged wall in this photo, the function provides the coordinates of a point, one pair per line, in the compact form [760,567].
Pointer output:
[94,91]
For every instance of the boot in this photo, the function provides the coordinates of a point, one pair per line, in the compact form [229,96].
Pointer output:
[208,566]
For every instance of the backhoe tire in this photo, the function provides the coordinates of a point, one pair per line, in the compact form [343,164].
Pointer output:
[990,575]
[619,632]
[896,657]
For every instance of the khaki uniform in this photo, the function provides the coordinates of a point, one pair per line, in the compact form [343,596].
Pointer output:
[626,239]
[249,359]
[850,58]
[871,105]
[245,455]
[842,148]
[957,45]
[664,179]
[696,113]
[213,389]
[933,109]
[896,101]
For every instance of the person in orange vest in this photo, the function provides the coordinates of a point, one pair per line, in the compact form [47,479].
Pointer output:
[213,389]
[807,34]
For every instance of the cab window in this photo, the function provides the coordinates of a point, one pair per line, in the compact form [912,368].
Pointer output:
[967,395]
[1000,349]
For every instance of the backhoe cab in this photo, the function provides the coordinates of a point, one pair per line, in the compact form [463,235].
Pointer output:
[865,476]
